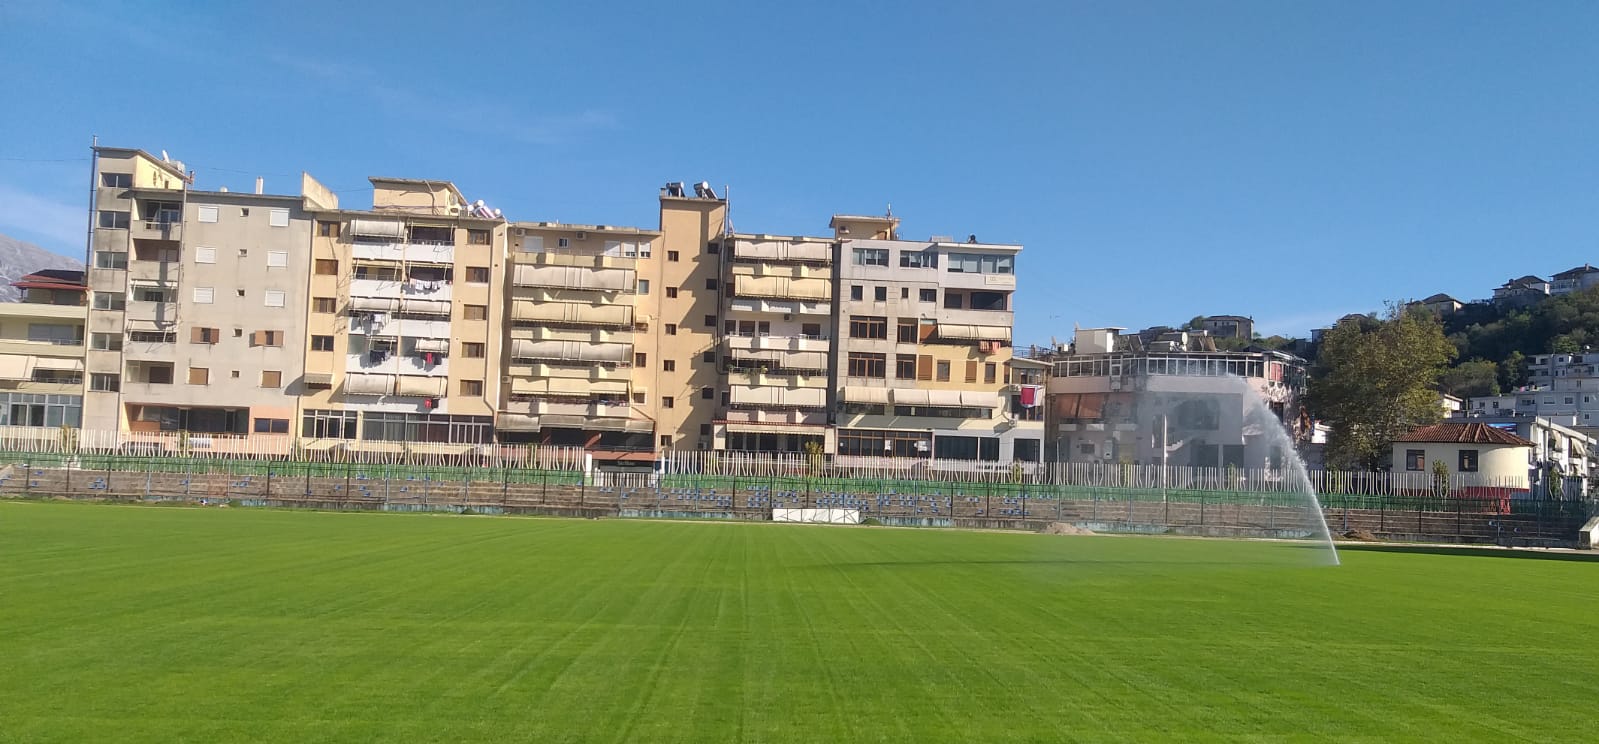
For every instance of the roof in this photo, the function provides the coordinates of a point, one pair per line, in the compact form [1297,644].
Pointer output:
[1523,281]
[1233,318]
[424,182]
[166,165]
[1464,434]
[69,279]
[1576,272]
[862,218]
[1440,297]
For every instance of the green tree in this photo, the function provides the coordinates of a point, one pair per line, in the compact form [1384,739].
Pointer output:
[1512,370]
[1375,381]
[1194,324]
[1468,379]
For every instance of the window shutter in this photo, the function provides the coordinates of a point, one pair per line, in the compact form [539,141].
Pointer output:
[971,371]
[204,255]
[924,367]
[273,297]
[278,218]
[196,335]
[203,295]
[277,259]
[208,214]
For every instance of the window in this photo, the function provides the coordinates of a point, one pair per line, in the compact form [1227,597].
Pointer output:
[905,330]
[710,321]
[472,388]
[204,255]
[199,376]
[271,426]
[244,252]
[153,337]
[317,424]
[671,329]
[477,275]
[643,286]
[271,378]
[273,298]
[811,330]
[904,293]
[708,393]
[207,214]
[277,259]
[327,229]
[1468,461]
[671,293]
[477,237]
[927,295]
[640,399]
[640,359]
[713,248]
[667,401]
[868,326]
[924,367]
[471,350]
[204,295]
[1415,460]
[671,256]
[110,301]
[204,335]
[979,263]
[239,292]
[990,373]
[943,371]
[475,312]
[562,243]
[988,300]
[710,283]
[325,304]
[880,294]
[871,256]
[105,341]
[857,292]
[953,301]
[105,383]
[327,266]
[905,366]
[918,259]
[266,338]
[113,220]
[666,440]
[322,343]
[669,365]
[867,365]
[708,357]
[110,260]
[278,217]
[116,180]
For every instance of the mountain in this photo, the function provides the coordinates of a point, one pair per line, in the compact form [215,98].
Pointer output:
[19,258]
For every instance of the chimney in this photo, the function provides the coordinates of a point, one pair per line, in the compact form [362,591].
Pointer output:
[260,183]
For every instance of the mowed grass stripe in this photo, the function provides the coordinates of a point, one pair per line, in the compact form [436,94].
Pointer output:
[164,624]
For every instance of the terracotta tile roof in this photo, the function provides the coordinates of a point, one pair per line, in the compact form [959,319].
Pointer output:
[1464,434]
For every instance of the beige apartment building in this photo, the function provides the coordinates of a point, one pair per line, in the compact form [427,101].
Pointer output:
[679,369]
[405,306]
[922,363]
[777,343]
[41,352]
[197,303]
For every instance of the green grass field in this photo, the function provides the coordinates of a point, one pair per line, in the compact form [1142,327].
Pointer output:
[167,624]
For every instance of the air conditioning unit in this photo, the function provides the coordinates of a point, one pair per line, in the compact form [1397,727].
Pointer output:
[521,231]
[788,316]
[582,236]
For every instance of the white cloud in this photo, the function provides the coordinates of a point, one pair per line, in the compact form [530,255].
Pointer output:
[25,214]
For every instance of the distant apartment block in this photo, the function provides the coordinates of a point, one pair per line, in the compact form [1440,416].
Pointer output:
[41,351]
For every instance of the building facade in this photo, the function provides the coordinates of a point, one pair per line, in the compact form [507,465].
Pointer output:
[42,345]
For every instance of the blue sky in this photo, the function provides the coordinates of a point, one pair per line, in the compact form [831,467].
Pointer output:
[1288,161]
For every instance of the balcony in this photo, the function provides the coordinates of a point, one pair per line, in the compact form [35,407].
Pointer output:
[797,418]
[785,271]
[575,277]
[160,313]
[158,229]
[779,307]
[406,252]
[401,289]
[754,378]
[584,335]
[362,325]
[580,260]
[782,288]
[777,249]
[779,343]
[398,364]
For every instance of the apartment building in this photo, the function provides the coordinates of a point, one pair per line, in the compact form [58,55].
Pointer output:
[403,318]
[195,297]
[924,346]
[777,343]
[41,351]
[1176,401]
[576,372]
[679,370]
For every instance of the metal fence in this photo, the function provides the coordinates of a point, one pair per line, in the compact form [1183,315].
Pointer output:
[1120,504]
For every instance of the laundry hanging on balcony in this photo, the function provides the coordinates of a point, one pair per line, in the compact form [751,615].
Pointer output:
[1032,396]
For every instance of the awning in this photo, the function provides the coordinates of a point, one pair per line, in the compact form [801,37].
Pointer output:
[319,379]
[858,394]
[978,399]
[570,351]
[753,428]
[435,345]
[419,386]
[516,422]
[910,397]
[71,365]
[359,384]
[949,398]
[974,332]
[149,326]
[425,307]
[374,304]
[377,228]
[15,367]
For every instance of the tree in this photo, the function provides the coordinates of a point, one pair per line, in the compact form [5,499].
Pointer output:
[1512,371]
[1469,379]
[1196,323]
[1375,381]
